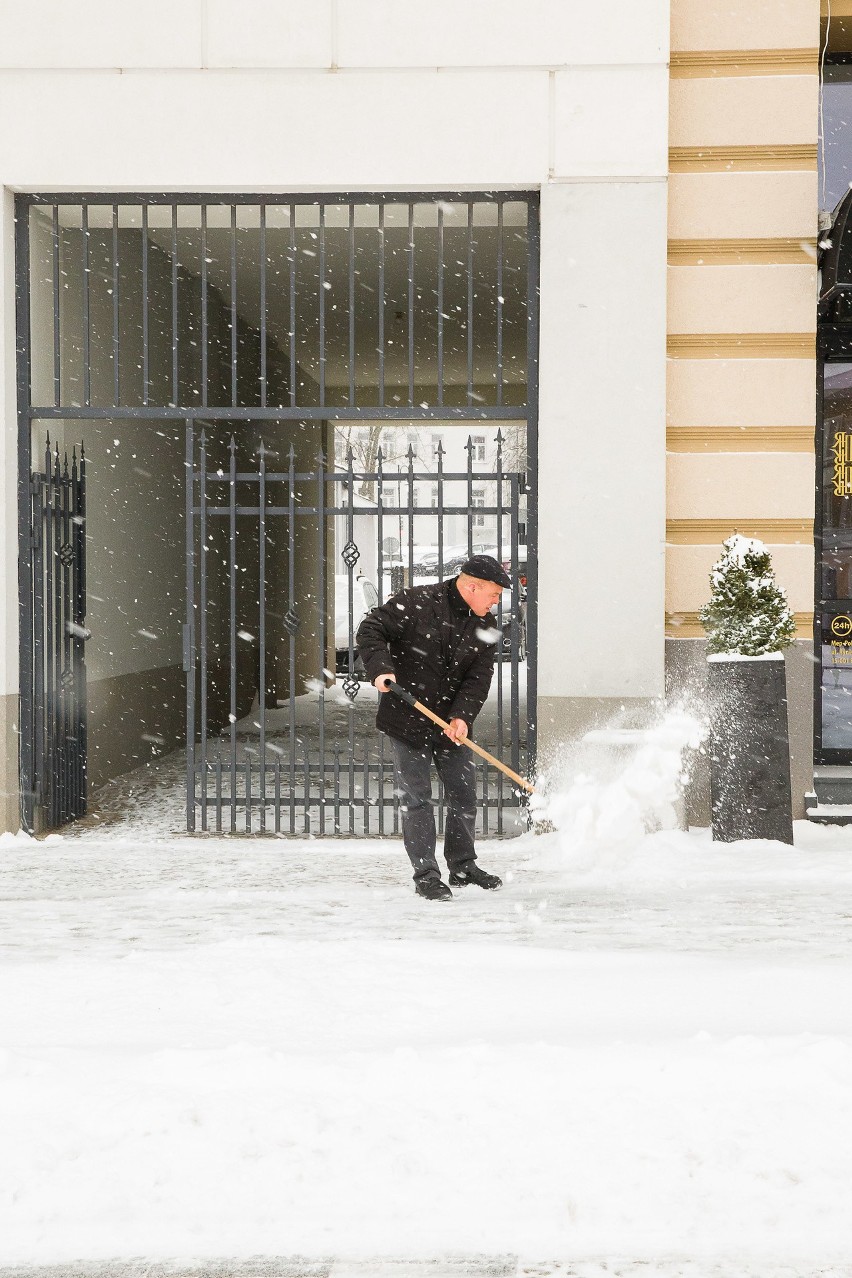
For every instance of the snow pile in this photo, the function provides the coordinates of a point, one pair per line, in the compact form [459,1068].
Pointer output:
[622,785]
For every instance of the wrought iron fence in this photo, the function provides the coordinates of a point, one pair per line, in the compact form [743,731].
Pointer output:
[58,588]
[272,312]
[279,715]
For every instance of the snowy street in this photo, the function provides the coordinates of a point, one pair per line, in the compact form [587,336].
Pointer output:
[231,1048]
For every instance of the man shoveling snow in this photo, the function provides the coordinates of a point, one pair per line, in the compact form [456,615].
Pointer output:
[439,641]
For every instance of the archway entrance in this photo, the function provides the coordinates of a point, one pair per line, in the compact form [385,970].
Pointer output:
[287,404]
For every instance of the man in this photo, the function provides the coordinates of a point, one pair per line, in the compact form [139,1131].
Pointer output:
[439,641]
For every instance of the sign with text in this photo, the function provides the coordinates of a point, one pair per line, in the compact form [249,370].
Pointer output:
[841,451]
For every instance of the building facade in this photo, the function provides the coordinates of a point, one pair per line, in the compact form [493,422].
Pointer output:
[670,156]
[741,320]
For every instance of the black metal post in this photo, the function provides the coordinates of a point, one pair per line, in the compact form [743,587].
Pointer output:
[189,629]
[232,581]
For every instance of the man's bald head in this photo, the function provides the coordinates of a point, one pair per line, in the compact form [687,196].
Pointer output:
[479,595]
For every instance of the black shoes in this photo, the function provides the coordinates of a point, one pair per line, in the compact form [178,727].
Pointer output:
[471,873]
[433,889]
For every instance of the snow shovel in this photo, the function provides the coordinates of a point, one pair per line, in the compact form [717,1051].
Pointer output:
[471,745]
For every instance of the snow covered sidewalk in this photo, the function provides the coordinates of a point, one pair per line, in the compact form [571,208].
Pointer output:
[224,1048]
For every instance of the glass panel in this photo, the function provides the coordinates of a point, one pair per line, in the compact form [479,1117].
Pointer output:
[836,564]
[835,160]
[837,681]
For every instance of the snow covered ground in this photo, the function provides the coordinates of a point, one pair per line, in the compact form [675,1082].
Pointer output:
[641,1048]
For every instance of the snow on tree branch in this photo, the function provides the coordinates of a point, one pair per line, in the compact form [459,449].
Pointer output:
[748,611]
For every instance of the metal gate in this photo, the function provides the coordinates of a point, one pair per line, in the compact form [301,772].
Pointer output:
[296,750]
[281,319]
[58,585]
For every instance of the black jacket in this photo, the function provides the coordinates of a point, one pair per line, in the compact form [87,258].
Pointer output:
[438,649]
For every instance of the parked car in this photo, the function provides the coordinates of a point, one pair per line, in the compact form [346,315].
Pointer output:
[426,561]
[455,556]
[364,597]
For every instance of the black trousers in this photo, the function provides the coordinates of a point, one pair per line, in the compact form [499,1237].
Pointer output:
[414,784]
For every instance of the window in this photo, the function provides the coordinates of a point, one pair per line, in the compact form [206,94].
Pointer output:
[478,450]
[478,500]
[434,496]
[835,156]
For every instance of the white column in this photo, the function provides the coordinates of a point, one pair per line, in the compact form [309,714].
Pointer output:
[602,443]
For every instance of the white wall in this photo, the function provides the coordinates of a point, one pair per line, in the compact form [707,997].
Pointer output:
[372,94]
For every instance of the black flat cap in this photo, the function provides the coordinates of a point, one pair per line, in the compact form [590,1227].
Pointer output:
[487,568]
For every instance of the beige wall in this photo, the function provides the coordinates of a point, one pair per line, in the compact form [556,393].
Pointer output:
[742,293]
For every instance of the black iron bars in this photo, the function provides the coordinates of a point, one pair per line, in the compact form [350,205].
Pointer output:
[58,586]
[302,319]
[303,758]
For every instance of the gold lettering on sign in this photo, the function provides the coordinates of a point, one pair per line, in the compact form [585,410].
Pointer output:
[842,454]
[841,654]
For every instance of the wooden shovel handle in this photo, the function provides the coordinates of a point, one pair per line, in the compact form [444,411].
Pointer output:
[471,745]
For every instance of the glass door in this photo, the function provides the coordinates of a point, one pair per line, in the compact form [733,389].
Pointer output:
[833,710]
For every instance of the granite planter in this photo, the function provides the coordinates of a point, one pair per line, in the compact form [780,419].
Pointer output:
[750,794]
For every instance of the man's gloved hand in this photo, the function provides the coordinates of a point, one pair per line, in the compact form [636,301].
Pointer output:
[384,681]
[456,731]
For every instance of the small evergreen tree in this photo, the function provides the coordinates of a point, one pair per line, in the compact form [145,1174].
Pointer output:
[748,611]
